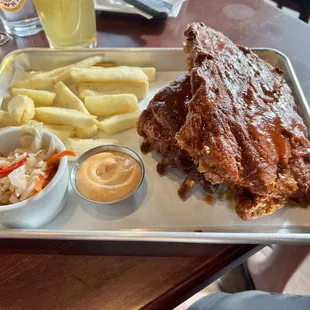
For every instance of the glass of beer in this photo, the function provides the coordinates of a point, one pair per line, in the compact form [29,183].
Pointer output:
[68,23]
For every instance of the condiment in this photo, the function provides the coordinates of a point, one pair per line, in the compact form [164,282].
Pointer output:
[209,199]
[108,176]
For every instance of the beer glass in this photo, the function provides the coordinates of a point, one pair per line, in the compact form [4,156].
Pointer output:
[68,23]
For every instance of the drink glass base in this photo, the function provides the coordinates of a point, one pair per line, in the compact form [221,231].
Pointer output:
[4,38]
[23,28]
[91,45]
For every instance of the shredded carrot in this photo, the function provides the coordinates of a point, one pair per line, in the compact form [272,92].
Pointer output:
[46,182]
[38,187]
[59,155]
[49,169]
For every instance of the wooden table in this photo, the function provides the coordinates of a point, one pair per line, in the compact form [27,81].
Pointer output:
[84,275]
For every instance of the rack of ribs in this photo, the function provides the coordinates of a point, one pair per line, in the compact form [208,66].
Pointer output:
[159,123]
[241,125]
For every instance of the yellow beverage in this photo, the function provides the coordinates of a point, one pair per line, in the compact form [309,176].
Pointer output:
[68,23]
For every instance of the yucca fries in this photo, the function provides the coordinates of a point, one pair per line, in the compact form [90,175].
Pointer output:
[40,97]
[65,76]
[45,80]
[4,103]
[5,120]
[108,75]
[63,132]
[65,98]
[61,116]
[34,83]
[120,122]
[84,133]
[68,100]
[85,63]
[105,64]
[150,72]
[75,89]
[139,89]
[21,109]
[108,105]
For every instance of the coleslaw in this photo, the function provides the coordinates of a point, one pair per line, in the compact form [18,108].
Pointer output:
[29,168]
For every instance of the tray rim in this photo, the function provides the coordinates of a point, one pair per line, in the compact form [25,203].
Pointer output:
[98,50]
[132,49]
[149,235]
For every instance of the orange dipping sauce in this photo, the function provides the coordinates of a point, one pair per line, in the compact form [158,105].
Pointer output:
[108,176]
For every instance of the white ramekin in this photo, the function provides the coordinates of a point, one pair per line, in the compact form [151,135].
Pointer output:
[46,205]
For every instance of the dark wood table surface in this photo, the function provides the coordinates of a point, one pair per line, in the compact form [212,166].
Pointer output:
[37,274]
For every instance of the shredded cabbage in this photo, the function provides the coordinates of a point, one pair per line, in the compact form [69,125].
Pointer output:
[20,183]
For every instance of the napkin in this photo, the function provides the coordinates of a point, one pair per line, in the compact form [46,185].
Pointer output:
[127,8]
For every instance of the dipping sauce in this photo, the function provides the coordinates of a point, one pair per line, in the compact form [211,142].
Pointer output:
[108,176]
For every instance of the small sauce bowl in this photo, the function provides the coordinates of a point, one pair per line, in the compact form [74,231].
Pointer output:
[101,149]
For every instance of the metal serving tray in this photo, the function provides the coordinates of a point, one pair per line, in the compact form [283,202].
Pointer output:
[155,212]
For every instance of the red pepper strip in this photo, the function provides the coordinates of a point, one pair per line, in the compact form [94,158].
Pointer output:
[8,170]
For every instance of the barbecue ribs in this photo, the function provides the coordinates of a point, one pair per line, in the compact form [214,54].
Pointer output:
[241,125]
[159,123]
